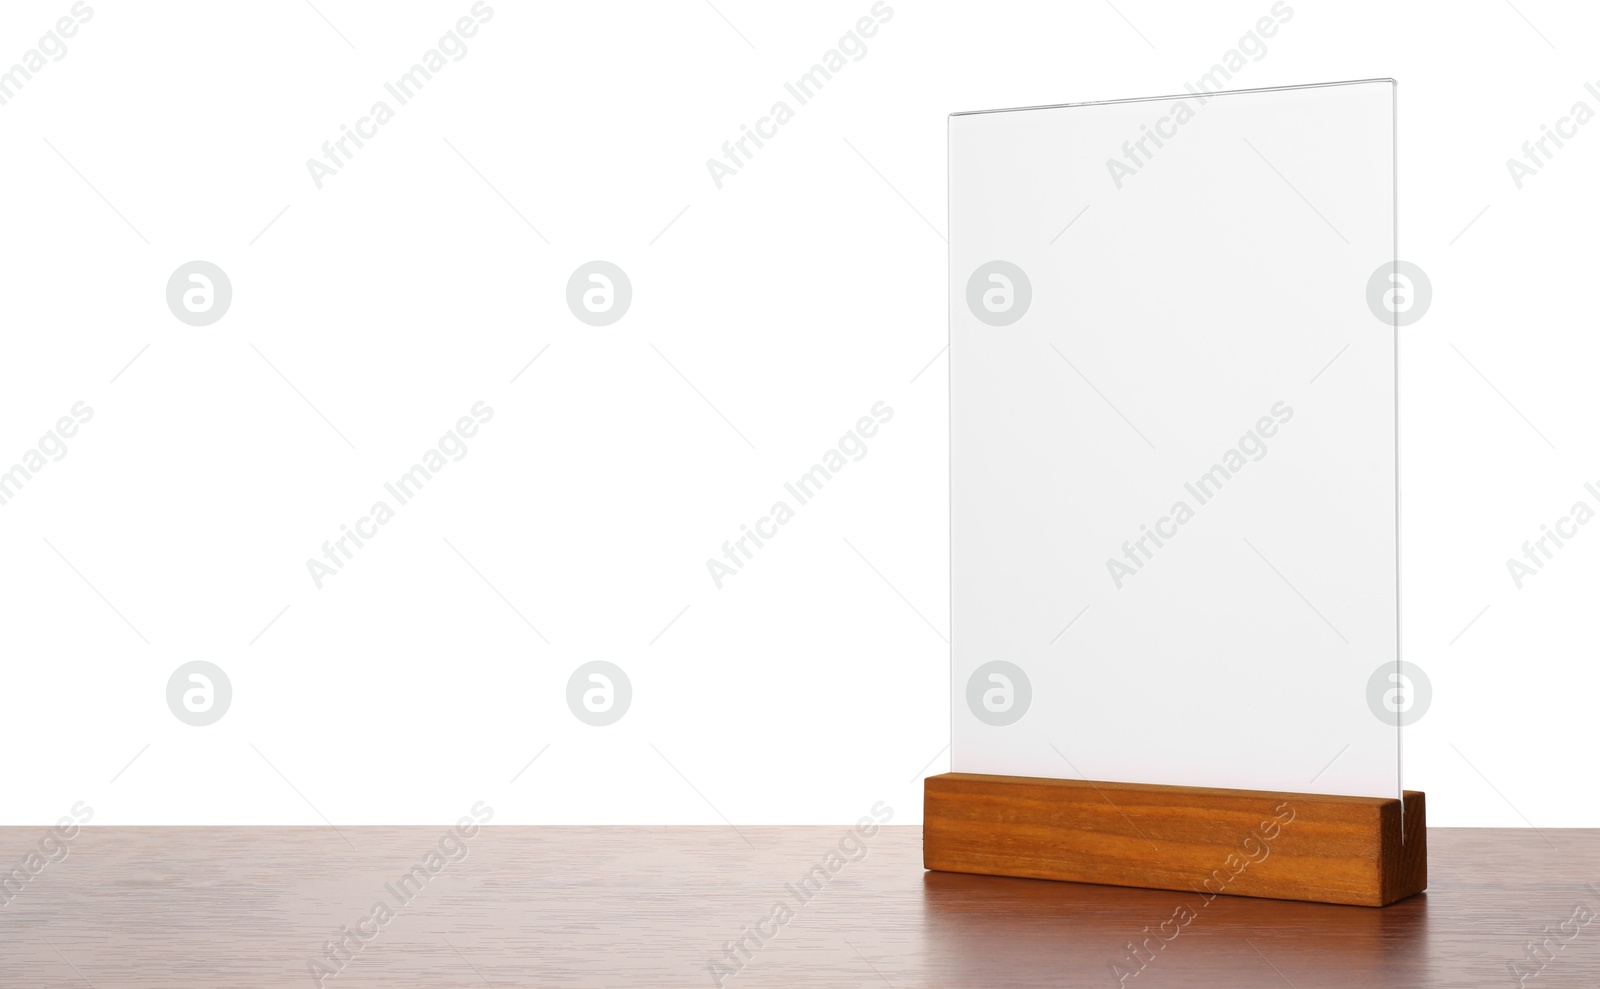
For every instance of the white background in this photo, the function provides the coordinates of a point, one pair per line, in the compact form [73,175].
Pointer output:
[767,318]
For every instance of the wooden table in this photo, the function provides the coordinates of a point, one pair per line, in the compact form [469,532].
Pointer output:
[516,906]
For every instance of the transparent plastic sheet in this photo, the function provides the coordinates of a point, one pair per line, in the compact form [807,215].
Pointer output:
[1174,481]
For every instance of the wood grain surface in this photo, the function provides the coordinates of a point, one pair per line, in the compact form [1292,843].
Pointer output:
[1287,846]
[231,907]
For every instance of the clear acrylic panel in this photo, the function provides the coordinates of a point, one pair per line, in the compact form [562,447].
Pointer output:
[1173,441]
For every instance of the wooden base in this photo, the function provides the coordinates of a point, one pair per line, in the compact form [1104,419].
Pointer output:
[1285,846]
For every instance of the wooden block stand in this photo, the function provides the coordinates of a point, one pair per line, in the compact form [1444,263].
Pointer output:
[1285,846]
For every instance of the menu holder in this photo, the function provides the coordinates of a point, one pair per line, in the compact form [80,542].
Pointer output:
[1174,498]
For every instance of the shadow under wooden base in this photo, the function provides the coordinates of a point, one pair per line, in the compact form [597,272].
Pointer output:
[1285,846]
